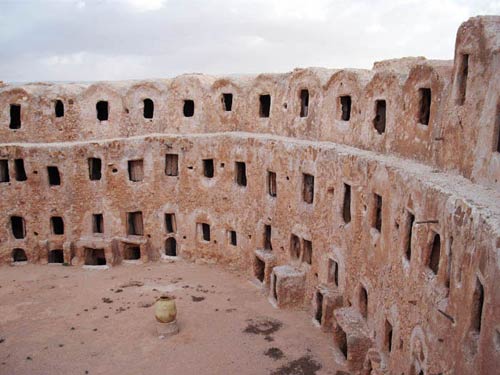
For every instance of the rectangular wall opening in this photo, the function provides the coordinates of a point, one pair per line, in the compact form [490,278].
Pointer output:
[131,252]
[94,257]
[56,256]
[205,232]
[208,168]
[15,116]
[388,336]
[377,212]
[19,170]
[54,177]
[172,164]
[319,307]
[4,171]
[307,255]
[149,108]
[265,105]
[188,108]
[97,223]
[135,224]
[294,247]
[363,302]
[267,237]
[233,238]
[57,225]
[346,207]
[345,105]
[59,108]
[410,219]
[304,103]
[275,287]
[170,225]
[227,102]
[449,263]
[340,339]
[95,166]
[271,183]
[496,146]
[171,247]
[18,227]
[435,254]
[259,269]
[333,272]
[241,173]
[477,307]
[135,170]
[308,188]
[380,113]
[425,106]
[462,75]
[19,255]
[102,108]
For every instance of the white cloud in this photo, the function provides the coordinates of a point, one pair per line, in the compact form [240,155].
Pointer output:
[146,5]
[124,39]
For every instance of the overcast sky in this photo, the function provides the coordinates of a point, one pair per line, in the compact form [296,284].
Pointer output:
[84,40]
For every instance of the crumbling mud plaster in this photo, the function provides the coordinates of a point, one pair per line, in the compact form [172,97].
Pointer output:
[368,197]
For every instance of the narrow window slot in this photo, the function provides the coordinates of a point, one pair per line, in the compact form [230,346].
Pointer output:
[95,166]
[59,108]
[97,223]
[149,109]
[19,170]
[345,104]
[265,105]
[102,108]
[18,227]
[463,73]
[57,224]
[346,209]
[170,223]
[241,173]
[271,183]
[227,102]
[308,188]
[135,224]
[135,170]
[4,171]
[15,116]
[304,103]
[188,109]
[54,176]
[208,168]
[380,116]
[267,237]
[425,106]
[307,255]
[172,164]
[435,254]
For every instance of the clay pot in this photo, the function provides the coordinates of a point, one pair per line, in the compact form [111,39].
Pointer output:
[165,310]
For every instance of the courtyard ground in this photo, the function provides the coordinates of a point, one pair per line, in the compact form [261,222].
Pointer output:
[69,320]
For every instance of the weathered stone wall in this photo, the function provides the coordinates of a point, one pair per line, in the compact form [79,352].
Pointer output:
[441,300]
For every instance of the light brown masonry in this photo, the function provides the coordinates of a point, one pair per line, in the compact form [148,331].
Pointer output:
[369,197]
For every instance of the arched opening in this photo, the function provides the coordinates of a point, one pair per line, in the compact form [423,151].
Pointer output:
[435,254]
[19,255]
[171,247]
[56,256]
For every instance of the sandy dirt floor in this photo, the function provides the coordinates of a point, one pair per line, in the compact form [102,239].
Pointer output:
[67,320]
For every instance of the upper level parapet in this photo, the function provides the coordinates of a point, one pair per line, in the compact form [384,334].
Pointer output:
[440,113]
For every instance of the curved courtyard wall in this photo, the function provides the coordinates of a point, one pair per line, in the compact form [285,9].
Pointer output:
[388,232]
